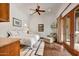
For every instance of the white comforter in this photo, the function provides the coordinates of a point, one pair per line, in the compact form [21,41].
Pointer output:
[29,40]
[25,39]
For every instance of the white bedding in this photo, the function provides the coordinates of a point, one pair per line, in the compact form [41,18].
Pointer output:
[25,39]
[29,40]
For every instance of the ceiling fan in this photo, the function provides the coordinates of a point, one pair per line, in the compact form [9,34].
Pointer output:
[37,10]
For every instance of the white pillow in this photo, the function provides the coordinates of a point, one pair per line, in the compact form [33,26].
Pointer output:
[14,34]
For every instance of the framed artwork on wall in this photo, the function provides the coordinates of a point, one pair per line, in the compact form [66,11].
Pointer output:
[17,22]
[40,27]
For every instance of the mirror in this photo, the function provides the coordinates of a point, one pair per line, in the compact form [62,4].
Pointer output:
[76,37]
[67,30]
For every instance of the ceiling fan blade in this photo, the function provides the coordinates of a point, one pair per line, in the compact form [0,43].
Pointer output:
[38,7]
[33,13]
[41,10]
[38,12]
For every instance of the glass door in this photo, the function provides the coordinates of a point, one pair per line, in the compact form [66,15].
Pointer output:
[67,30]
[76,40]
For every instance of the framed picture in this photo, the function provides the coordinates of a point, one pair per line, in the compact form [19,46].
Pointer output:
[40,27]
[17,22]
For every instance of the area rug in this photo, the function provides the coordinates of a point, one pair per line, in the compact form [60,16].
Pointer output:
[37,51]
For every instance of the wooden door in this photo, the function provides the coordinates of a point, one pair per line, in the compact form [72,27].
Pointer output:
[70,24]
[71,14]
[76,26]
[74,30]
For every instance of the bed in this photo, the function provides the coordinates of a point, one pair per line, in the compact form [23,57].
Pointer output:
[25,39]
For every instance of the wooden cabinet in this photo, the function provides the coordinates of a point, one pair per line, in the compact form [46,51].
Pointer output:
[9,47]
[4,12]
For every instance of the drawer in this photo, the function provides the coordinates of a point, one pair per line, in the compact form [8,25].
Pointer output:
[12,49]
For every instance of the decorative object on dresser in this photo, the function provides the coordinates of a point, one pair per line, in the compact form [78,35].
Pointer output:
[4,12]
[17,22]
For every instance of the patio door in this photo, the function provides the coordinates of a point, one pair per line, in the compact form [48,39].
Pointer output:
[69,29]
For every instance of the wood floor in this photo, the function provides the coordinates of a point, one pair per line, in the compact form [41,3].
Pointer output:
[55,49]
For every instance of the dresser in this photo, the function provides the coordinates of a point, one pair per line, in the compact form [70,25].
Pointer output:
[9,47]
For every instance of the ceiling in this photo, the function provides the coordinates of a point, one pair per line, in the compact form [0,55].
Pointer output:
[49,7]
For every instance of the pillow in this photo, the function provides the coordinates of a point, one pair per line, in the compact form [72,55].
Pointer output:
[13,34]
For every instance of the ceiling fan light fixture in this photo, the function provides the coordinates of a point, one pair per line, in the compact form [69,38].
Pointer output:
[38,10]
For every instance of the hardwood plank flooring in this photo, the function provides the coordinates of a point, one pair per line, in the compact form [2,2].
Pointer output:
[55,49]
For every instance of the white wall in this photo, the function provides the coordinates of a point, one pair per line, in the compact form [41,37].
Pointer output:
[42,19]
[4,26]
[7,26]
[15,12]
